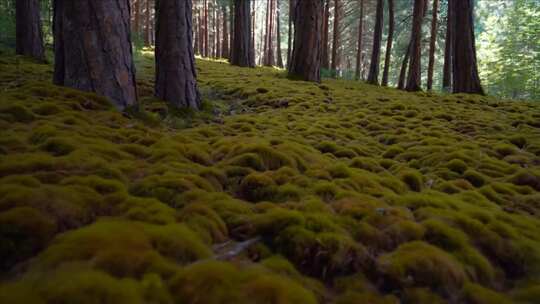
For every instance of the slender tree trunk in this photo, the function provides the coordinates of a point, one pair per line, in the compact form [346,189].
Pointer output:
[403,70]
[29,32]
[201,31]
[373,76]
[389,42]
[137,17]
[447,68]
[325,36]
[147,38]
[465,71]
[414,75]
[253,28]
[266,34]
[243,54]
[290,38]
[278,29]
[306,54]
[205,17]
[225,44]
[336,38]
[433,40]
[358,71]
[93,49]
[270,31]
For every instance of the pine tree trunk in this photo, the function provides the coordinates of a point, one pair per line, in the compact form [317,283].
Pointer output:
[306,54]
[93,49]
[325,36]
[359,57]
[205,35]
[225,44]
[389,42]
[175,63]
[147,38]
[465,71]
[373,76]
[432,45]
[253,28]
[336,38]
[270,31]
[137,17]
[414,75]
[266,33]
[243,54]
[217,43]
[278,29]
[447,68]
[403,70]
[29,33]
[290,38]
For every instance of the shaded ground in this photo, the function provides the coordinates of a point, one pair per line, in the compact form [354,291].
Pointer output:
[353,193]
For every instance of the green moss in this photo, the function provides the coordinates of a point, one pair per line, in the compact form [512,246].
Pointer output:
[326,190]
[258,187]
[474,177]
[16,113]
[392,152]
[413,179]
[457,165]
[58,146]
[476,294]
[418,264]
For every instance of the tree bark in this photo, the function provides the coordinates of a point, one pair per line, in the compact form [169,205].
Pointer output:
[270,51]
[225,44]
[290,38]
[389,42]
[414,75]
[403,70]
[93,49]
[217,31]
[243,54]
[147,36]
[465,68]
[432,44]
[29,33]
[175,62]
[447,68]
[266,34]
[336,38]
[306,54]
[373,76]
[325,35]
[359,57]
[278,42]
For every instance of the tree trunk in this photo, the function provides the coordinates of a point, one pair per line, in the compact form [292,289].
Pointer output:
[414,75]
[373,76]
[225,44]
[253,29]
[325,36]
[175,63]
[217,31]
[93,49]
[306,54]
[29,33]
[403,70]
[358,71]
[243,54]
[447,68]
[137,17]
[270,50]
[389,42]
[432,46]
[289,39]
[335,41]
[266,34]
[205,34]
[278,29]
[465,71]
[147,36]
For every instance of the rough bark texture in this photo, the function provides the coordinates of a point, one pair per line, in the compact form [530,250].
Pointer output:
[336,38]
[306,54]
[373,76]
[289,39]
[205,35]
[93,49]
[243,54]
[432,42]
[326,27]
[465,68]
[278,42]
[389,42]
[175,62]
[29,33]
[359,57]
[414,75]
[447,68]
[270,31]
[147,35]
[403,70]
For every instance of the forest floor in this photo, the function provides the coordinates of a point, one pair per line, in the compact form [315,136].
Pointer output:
[279,191]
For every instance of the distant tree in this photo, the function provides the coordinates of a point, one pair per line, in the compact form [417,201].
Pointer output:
[389,42]
[358,71]
[93,49]
[447,68]
[225,42]
[325,35]
[373,76]
[414,74]
[29,33]
[289,39]
[306,54]
[243,53]
[432,44]
[175,62]
[279,55]
[465,67]
[403,70]
[336,43]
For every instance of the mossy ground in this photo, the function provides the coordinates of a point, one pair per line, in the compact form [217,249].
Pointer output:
[355,193]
